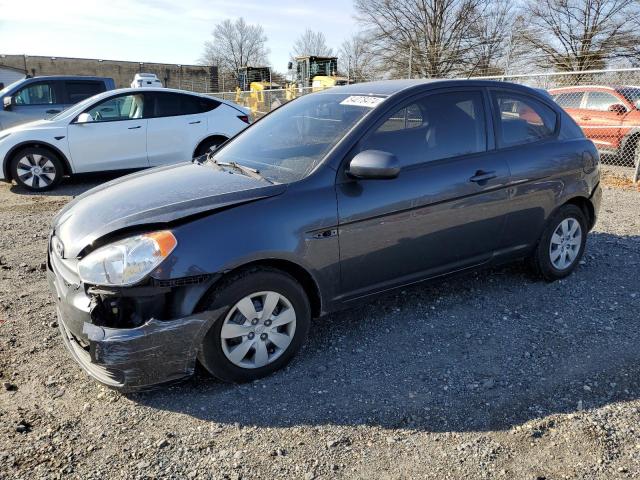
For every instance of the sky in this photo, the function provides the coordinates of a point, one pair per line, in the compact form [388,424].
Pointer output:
[162,31]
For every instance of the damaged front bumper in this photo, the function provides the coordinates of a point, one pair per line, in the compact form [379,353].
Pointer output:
[151,352]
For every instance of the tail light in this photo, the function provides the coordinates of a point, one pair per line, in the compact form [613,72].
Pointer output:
[244,118]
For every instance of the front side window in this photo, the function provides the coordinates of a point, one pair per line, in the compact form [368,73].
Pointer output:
[287,144]
[601,101]
[435,127]
[124,107]
[36,94]
[523,119]
[569,99]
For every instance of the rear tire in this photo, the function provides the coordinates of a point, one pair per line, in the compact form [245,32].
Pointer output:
[36,169]
[562,243]
[241,345]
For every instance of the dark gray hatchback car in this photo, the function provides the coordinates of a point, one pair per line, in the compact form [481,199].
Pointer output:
[333,198]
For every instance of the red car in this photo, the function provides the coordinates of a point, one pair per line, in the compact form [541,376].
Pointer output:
[609,116]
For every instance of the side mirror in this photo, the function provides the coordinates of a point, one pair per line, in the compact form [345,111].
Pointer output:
[7,102]
[374,164]
[84,118]
[618,108]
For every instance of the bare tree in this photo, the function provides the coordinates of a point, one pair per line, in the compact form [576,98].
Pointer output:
[357,60]
[436,36]
[579,35]
[493,40]
[311,43]
[235,44]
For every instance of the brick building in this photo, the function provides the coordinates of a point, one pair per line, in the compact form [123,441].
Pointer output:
[197,78]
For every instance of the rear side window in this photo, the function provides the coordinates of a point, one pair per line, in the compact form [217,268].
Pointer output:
[207,104]
[173,104]
[435,127]
[569,99]
[79,90]
[522,119]
[601,101]
[36,94]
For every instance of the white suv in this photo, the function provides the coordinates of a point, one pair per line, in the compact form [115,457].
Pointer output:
[145,80]
[117,130]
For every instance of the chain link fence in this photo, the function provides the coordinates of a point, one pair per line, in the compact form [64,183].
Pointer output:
[605,103]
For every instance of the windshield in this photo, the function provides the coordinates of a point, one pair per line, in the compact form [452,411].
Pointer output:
[287,145]
[633,95]
[74,109]
[6,89]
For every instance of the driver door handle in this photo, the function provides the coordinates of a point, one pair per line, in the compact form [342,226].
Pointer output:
[193,123]
[133,128]
[482,176]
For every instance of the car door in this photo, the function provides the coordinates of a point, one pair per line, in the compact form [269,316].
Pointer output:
[527,138]
[38,99]
[602,123]
[176,127]
[115,138]
[446,209]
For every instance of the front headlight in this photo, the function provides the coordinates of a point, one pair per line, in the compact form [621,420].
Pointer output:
[126,261]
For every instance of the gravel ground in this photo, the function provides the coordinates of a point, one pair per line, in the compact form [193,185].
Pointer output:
[489,375]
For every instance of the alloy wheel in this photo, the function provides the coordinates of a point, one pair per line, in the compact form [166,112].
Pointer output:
[258,329]
[36,171]
[565,243]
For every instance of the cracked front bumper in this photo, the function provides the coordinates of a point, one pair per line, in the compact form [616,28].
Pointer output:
[156,352]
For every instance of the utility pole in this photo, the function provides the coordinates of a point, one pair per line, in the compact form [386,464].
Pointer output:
[410,59]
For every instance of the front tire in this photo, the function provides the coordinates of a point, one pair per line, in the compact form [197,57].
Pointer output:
[208,146]
[36,169]
[265,320]
[562,243]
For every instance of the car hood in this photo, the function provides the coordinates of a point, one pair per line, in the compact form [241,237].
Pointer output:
[26,123]
[158,196]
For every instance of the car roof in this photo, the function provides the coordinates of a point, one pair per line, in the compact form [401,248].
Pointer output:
[65,77]
[392,87]
[153,89]
[576,88]
[118,91]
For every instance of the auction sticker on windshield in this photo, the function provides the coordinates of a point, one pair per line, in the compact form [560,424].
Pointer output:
[362,101]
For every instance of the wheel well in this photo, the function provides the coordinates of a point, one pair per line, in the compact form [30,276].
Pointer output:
[296,271]
[221,138]
[45,146]
[586,206]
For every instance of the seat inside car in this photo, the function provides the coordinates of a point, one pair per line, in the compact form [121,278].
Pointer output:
[138,106]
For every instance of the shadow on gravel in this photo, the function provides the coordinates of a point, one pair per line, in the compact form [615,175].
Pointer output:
[485,351]
[71,186]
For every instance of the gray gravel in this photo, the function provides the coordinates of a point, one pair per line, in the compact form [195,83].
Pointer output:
[489,375]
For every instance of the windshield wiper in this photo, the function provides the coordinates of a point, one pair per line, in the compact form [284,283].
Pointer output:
[250,172]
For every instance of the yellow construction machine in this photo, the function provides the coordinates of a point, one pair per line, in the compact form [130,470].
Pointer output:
[318,73]
[255,80]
